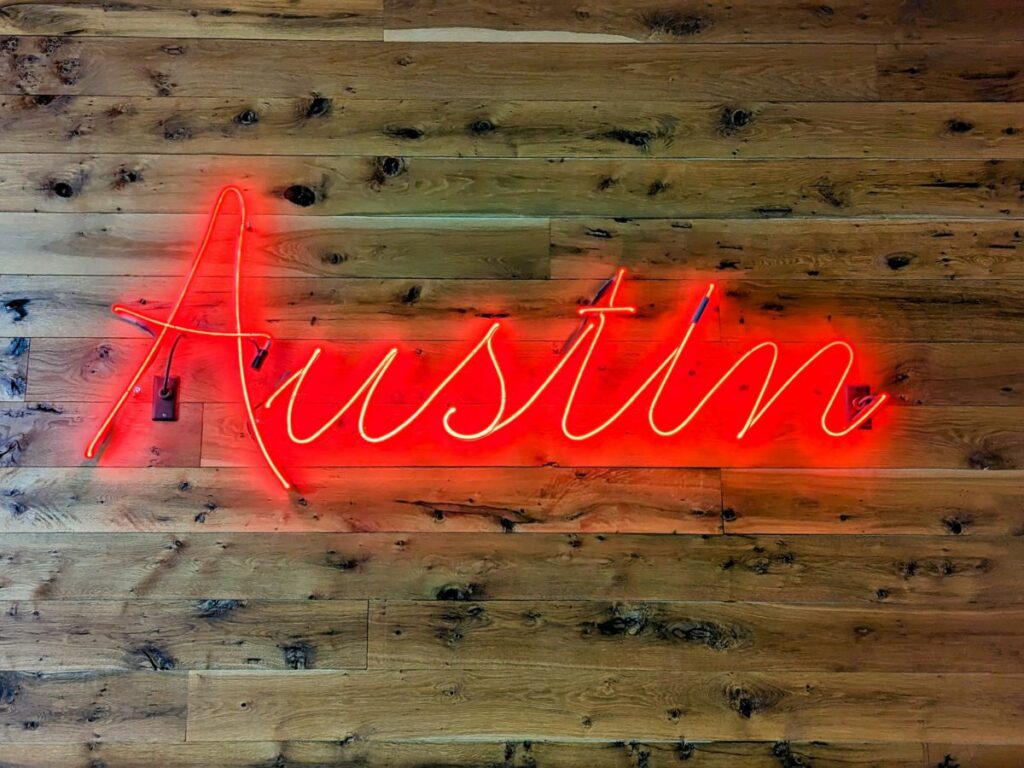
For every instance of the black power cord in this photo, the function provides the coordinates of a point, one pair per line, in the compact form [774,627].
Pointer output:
[165,391]
[257,361]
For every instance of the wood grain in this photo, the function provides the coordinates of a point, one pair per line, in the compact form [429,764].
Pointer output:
[244,19]
[548,499]
[416,127]
[951,73]
[604,705]
[334,70]
[55,435]
[790,249]
[870,310]
[61,636]
[860,502]
[340,309]
[13,368]
[631,187]
[278,246]
[986,755]
[690,636]
[905,570]
[515,754]
[875,21]
[42,708]
[794,249]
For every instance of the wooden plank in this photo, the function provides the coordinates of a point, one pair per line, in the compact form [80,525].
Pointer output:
[278,246]
[55,435]
[938,438]
[585,71]
[721,754]
[847,21]
[482,128]
[611,705]
[341,309]
[245,19]
[41,708]
[13,368]
[570,72]
[884,21]
[548,499]
[726,637]
[951,72]
[61,636]
[911,570]
[958,374]
[790,249]
[473,754]
[914,374]
[859,502]
[519,186]
[980,755]
[865,310]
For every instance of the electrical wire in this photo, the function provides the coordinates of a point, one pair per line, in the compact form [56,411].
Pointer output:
[164,390]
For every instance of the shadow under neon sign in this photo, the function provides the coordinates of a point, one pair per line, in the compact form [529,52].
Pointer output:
[299,423]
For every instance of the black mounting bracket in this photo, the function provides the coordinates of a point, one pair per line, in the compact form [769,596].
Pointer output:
[165,401]
[858,397]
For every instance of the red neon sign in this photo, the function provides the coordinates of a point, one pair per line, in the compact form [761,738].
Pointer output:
[578,352]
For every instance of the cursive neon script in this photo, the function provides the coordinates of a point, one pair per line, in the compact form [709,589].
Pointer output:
[578,353]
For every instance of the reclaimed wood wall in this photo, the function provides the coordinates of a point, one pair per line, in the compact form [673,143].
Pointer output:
[850,161]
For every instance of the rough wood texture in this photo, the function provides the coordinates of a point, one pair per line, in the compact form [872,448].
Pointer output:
[202,634]
[367,70]
[862,21]
[921,502]
[508,754]
[483,500]
[790,249]
[247,19]
[373,310]
[415,128]
[13,368]
[92,705]
[951,73]
[417,170]
[280,246]
[52,435]
[905,570]
[511,754]
[143,183]
[705,636]
[615,705]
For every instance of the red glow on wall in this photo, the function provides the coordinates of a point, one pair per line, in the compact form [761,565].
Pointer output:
[739,394]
